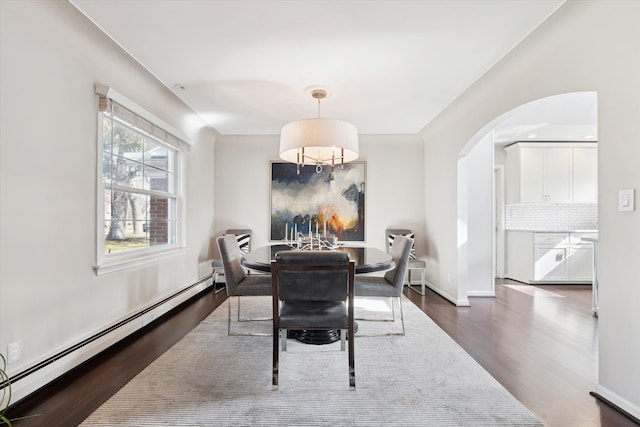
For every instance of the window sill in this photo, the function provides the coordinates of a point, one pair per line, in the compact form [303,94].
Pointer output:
[112,265]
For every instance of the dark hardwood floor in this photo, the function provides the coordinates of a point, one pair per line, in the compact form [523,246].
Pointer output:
[72,398]
[539,342]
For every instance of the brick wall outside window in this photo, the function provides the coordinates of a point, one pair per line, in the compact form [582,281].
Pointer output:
[158,214]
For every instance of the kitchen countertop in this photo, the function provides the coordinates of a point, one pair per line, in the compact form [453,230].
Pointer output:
[558,231]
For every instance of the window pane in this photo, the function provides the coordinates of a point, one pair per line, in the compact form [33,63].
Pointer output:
[127,172]
[134,221]
[158,180]
[137,206]
[133,154]
[106,134]
[127,143]
[108,167]
[156,155]
[161,220]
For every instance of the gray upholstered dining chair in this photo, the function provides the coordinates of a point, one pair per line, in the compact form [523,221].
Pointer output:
[237,282]
[243,236]
[312,290]
[414,263]
[392,283]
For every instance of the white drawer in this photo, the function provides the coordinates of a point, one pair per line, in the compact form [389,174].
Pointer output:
[551,238]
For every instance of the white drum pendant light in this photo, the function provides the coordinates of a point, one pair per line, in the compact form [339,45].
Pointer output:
[319,141]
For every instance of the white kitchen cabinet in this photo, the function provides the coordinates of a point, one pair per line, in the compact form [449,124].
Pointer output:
[585,175]
[549,257]
[519,255]
[557,175]
[580,257]
[551,172]
[530,178]
[550,264]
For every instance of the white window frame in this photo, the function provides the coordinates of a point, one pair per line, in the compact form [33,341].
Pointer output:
[107,263]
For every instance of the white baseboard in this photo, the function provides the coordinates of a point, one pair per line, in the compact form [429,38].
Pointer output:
[619,401]
[58,366]
[457,302]
[481,294]
[205,268]
[43,376]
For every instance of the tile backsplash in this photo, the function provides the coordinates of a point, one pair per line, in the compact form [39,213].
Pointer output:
[551,216]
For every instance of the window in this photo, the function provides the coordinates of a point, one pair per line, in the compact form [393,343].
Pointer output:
[139,216]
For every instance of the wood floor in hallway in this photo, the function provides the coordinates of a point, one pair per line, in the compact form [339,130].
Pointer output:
[540,342]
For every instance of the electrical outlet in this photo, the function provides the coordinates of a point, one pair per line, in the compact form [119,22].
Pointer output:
[14,351]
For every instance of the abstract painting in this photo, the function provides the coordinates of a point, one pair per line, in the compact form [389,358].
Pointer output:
[318,201]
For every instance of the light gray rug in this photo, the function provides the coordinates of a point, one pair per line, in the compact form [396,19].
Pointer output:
[211,379]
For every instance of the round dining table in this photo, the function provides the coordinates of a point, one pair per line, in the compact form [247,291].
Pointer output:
[368,260]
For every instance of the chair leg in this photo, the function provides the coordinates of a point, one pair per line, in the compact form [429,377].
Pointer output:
[215,280]
[401,314]
[236,334]
[274,369]
[422,281]
[352,364]
[228,315]
[250,319]
[394,318]
[391,319]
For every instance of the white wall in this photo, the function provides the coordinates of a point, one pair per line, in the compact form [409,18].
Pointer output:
[584,46]
[394,195]
[50,298]
[479,219]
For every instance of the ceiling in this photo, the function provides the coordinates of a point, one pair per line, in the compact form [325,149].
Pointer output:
[389,66]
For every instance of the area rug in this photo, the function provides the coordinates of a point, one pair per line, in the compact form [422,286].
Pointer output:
[211,379]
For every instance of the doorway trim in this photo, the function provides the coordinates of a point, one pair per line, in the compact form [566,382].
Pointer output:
[500,235]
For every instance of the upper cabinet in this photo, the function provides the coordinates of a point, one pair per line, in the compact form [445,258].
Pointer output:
[585,175]
[552,172]
[545,174]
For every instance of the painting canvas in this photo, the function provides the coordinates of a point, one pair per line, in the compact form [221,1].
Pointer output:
[317,201]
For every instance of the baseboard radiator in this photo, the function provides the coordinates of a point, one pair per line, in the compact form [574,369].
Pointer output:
[37,376]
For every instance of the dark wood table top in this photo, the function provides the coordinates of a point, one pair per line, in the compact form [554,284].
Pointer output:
[368,259]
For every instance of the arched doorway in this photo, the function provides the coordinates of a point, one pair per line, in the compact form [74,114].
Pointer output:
[564,117]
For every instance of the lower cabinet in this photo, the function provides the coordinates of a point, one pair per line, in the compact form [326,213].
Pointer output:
[580,260]
[550,263]
[534,257]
